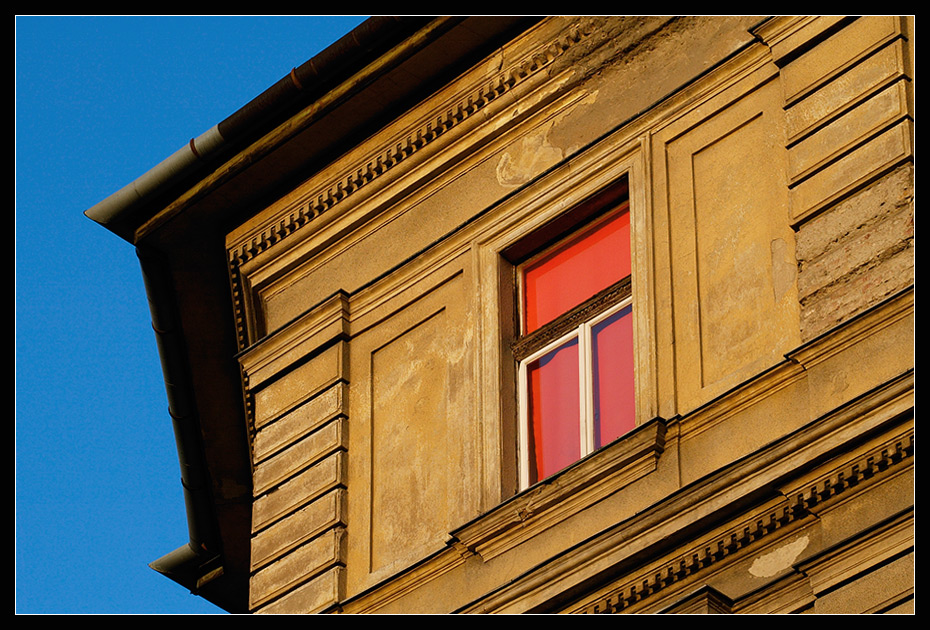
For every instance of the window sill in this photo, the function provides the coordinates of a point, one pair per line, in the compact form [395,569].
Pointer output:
[564,494]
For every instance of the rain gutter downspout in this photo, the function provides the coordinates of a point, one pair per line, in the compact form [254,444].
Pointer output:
[199,561]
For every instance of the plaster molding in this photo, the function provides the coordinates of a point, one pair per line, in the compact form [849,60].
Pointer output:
[799,589]
[276,354]
[563,495]
[572,319]
[695,558]
[882,461]
[466,103]
[811,492]
[799,362]
[526,82]
[699,502]
[848,334]
[740,398]
[790,35]
[477,95]
[374,600]
[705,600]
[888,540]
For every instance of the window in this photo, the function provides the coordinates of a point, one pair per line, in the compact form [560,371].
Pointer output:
[575,350]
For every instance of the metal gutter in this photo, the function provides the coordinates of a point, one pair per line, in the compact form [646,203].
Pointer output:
[197,563]
[332,75]
[301,85]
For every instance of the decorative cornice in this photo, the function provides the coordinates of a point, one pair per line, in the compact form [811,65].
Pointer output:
[757,526]
[852,473]
[561,496]
[393,152]
[693,560]
[889,539]
[401,148]
[620,550]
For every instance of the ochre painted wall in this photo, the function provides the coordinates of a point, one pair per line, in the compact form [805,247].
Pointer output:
[770,172]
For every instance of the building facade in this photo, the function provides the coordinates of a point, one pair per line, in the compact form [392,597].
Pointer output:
[588,314]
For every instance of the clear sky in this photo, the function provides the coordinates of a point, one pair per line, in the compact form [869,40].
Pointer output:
[100,101]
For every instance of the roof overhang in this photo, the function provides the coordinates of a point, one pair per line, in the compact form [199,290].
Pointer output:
[179,213]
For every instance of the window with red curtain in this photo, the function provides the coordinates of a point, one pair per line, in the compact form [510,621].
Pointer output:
[576,348]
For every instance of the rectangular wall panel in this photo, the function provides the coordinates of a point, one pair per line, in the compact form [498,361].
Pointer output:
[732,252]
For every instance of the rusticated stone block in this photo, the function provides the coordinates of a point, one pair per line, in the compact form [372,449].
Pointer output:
[857,254]
[883,198]
[299,422]
[831,55]
[299,384]
[326,440]
[311,597]
[323,513]
[309,559]
[878,69]
[298,490]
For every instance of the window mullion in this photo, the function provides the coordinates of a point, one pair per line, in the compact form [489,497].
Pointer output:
[524,439]
[586,395]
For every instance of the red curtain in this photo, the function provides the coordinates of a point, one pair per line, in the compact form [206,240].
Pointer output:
[555,437]
[576,270]
[612,375]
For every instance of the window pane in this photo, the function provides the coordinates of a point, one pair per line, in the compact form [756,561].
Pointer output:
[612,358]
[587,263]
[554,433]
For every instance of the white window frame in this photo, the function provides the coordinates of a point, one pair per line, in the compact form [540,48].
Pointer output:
[519,216]
[585,383]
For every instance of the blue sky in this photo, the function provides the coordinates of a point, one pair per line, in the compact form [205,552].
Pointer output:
[100,101]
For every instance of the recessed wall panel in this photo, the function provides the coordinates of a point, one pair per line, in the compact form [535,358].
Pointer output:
[733,264]
[412,445]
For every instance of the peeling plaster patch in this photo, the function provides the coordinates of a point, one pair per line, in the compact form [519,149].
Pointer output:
[784,270]
[533,155]
[495,63]
[840,382]
[778,560]
[537,152]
